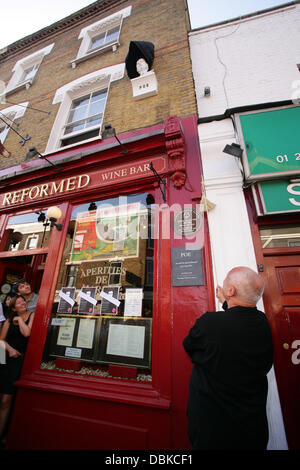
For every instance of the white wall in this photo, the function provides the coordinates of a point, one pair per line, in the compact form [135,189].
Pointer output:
[245,62]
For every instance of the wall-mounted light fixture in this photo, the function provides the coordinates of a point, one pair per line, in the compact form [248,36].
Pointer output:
[54,213]
[110,131]
[33,152]
[234,149]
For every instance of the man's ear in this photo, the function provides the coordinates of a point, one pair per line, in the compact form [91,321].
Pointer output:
[231,291]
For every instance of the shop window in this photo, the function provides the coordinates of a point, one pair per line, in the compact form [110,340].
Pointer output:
[85,118]
[101,36]
[103,304]
[281,236]
[23,250]
[25,70]
[26,232]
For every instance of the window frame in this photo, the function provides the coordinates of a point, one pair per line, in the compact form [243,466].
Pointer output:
[34,60]
[94,81]
[5,131]
[87,34]
[23,78]
[11,114]
[73,205]
[105,43]
[85,130]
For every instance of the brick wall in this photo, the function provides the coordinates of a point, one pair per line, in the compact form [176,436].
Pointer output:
[162,22]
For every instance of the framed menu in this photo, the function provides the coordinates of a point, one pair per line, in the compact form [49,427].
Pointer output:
[74,338]
[125,341]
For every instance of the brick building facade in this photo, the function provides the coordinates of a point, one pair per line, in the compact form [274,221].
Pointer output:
[118,158]
[163,23]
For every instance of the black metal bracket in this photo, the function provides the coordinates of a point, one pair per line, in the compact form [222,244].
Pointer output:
[160,181]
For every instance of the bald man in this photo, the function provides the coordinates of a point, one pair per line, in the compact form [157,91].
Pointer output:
[232,353]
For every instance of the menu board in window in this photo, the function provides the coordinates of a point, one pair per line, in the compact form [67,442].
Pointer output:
[125,341]
[74,338]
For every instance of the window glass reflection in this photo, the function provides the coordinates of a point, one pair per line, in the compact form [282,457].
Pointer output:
[27,231]
[103,303]
[273,237]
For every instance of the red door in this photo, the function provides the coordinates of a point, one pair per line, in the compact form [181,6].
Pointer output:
[282,305]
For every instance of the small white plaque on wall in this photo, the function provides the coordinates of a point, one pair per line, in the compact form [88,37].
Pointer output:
[144,86]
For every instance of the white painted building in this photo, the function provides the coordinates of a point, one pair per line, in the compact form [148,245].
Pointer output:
[238,65]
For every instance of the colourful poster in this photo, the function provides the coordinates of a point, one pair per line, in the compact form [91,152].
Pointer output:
[109,232]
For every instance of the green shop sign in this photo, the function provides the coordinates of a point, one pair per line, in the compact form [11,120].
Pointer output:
[271,142]
[279,196]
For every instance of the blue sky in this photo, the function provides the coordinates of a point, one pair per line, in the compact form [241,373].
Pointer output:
[19,18]
[207,12]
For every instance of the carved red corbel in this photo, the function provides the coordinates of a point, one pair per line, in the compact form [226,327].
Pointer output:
[175,150]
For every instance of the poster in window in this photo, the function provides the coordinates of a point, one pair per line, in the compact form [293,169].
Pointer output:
[107,233]
[133,302]
[66,300]
[125,341]
[87,300]
[85,336]
[109,300]
[66,333]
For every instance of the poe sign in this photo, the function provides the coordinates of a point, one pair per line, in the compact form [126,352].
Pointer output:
[271,142]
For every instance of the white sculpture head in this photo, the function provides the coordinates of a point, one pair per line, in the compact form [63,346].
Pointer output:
[142,67]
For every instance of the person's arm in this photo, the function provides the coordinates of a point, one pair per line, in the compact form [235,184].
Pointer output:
[12,352]
[196,337]
[24,329]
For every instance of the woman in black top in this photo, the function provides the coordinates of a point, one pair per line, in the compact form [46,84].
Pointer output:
[14,335]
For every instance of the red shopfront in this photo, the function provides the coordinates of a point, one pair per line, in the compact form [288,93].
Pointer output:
[105,367]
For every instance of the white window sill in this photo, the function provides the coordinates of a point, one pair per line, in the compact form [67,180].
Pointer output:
[98,137]
[91,54]
[18,87]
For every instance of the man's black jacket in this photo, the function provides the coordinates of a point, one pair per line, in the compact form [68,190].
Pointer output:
[232,353]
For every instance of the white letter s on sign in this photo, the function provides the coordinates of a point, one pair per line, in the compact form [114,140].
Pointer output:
[293,191]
